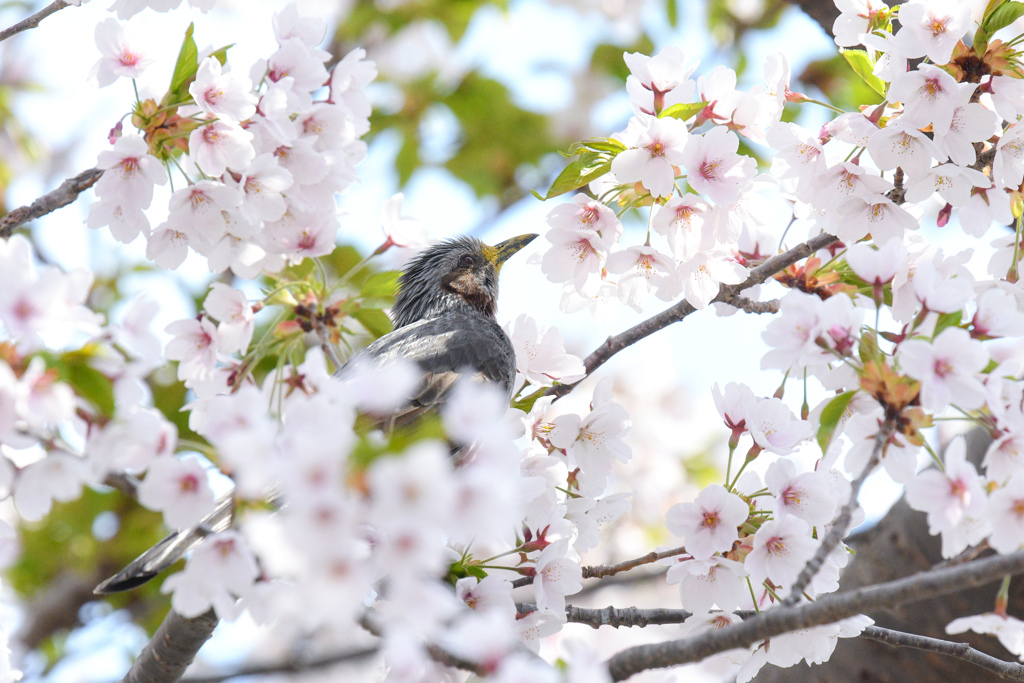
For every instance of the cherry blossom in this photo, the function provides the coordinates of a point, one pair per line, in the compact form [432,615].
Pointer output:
[656,147]
[708,524]
[781,548]
[805,495]
[120,54]
[713,167]
[948,496]
[222,94]
[541,358]
[946,368]
[1009,630]
[557,575]
[775,428]
[219,571]
[931,29]
[683,221]
[131,172]
[643,269]
[179,488]
[656,83]
[1005,511]
[706,583]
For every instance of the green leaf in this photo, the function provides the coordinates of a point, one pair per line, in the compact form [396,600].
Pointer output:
[831,416]
[947,320]
[221,54]
[184,71]
[862,65]
[609,145]
[1002,16]
[374,320]
[672,10]
[682,111]
[578,173]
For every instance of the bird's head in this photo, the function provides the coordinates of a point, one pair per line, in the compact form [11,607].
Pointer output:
[453,274]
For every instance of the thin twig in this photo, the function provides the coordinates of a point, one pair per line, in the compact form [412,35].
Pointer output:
[292,665]
[32,21]
[602,570]
[825,610]
[840,524]
[757,275]
[750,306]
[961,651]
[62,196]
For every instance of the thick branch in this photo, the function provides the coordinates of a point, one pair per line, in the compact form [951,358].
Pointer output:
[839,526]
[172,649]
[51,201]
[826,610]
[636,617]
[727,294]
[32,21]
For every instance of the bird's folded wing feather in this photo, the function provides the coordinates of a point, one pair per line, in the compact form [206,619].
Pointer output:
[446,349]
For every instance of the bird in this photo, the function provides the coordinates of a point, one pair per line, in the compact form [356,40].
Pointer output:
[444,320]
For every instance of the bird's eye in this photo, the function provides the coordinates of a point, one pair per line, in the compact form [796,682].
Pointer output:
[466,261]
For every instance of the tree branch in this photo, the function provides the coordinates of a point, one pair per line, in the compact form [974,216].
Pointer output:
[826,610]
[291,665]
[602,570]
[727,294]
[636,617]
[839,526]
[51,201]
[961,651]
[172,648]
[32,21]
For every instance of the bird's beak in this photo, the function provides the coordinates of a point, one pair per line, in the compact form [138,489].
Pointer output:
[501,252]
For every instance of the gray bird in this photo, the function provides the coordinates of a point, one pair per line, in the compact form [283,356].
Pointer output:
[444,320]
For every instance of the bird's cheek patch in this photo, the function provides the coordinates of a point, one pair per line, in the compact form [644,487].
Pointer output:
[467,284]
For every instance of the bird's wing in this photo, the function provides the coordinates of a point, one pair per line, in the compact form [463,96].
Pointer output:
[446,349]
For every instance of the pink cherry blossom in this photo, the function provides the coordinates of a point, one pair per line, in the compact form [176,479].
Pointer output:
[946,368]
[949,495]
[713,167]
[932,28]
[1005,511]
[220,145]
[781,549]
[642,269]
[709,524]
[120,53]
[222,94]
[179,488]
[656,147]
[541,358]
[131,172]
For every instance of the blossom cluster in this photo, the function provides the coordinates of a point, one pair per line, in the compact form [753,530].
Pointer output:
[942,148]
[264,155]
